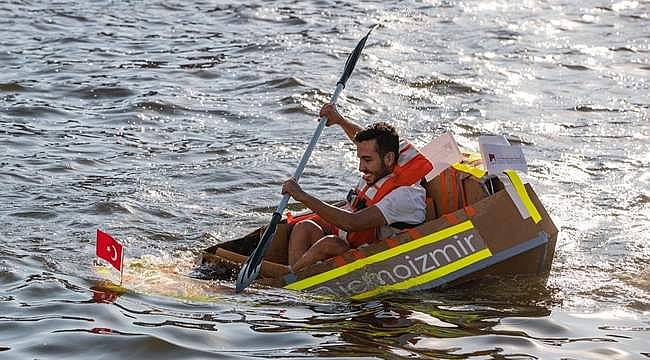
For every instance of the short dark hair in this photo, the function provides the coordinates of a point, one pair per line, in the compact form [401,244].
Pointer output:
[386,136]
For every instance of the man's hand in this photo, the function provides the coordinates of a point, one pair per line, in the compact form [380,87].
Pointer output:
[292,188]
[333,117]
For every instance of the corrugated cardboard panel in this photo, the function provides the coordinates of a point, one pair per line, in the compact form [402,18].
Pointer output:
[500,223]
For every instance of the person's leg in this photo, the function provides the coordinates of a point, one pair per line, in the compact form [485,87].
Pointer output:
[325,248]
[303,235]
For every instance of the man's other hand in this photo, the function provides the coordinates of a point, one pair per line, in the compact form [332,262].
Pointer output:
[333,117]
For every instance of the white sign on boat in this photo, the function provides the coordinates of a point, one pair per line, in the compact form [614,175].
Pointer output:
[442,152]
[498,155]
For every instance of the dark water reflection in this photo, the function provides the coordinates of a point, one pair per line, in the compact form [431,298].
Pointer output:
[173,124]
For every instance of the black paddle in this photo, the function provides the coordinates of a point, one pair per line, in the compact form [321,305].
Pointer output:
[251,268]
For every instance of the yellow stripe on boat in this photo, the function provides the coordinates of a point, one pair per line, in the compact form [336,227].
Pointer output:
[476,172]
[384,255]
[427,277]
[521,190]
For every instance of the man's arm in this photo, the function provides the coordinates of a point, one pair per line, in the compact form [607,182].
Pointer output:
[367,218]
[334,117]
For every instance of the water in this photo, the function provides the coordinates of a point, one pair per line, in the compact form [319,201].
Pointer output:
[170,124]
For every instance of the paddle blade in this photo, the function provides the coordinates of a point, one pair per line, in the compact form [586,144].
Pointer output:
[253,264]
[351,62]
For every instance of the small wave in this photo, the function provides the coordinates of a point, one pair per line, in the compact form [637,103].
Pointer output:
[443,86]
[16,129]
[204,62]
[21,178]
[102,92]
[280,83]
[171,7]
[34,214]
[294,20]
[63,168]
[205,74]
[306,102]
[506,35]
[576,67]
[69,15]
[143,64]
[168,108]
[123,344]
[109,207]
[32,111]
[295,109]
[257,47]
[624,49]
[69,40]
[232,188]
[158,106]
[287,82]
[87,162]
[284,16]
[164,236]
[200,65]
[575,126]
[636,17]
[593,108]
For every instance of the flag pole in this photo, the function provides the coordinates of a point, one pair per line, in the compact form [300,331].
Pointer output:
[122,267]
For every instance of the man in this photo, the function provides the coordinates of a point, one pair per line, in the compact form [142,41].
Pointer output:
[388,194]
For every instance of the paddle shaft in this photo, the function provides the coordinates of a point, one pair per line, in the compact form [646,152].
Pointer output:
[309,150]
[253,264]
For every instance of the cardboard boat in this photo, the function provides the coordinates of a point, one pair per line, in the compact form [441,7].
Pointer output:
[499,227]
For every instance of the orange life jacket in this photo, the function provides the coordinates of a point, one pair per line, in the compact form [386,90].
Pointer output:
[411,167]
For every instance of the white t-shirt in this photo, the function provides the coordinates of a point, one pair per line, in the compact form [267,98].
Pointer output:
[405,204]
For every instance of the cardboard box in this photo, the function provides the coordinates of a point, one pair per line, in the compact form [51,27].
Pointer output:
[452,190]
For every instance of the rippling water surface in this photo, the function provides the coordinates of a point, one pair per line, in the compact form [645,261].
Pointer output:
[170,124]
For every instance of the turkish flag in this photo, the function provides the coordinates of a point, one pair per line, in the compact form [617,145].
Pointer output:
[109,249]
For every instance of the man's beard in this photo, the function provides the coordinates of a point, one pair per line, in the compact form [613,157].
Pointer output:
[379,175]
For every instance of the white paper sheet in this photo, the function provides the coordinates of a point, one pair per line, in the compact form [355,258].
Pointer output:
[499,155]
[442,152]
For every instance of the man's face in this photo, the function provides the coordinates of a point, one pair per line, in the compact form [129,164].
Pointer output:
[371,164]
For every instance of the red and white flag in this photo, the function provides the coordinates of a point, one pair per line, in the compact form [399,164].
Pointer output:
[109,249]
